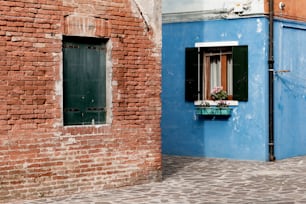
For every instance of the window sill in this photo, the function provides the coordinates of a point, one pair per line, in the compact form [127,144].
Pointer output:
[214,103]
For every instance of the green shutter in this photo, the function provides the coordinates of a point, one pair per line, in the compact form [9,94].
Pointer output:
[84,83]
[240,73]
[95,85]
[191,74]
[71,86]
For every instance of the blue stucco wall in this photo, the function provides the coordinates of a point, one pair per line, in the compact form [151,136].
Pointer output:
[290,89]
[244,135]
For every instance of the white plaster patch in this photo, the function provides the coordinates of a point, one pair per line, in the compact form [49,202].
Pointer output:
[236,120]
[71,141]
[119,95]
[195,116]
[250,6]
[53,36]
[59,88]
[57,134]
[16,39]
[257,78]
[150,11]
[223,34]
[258,81]
[259,26]
[149,130]
[39,45]
[25,165]
[248,117]
[170,73]
[239,35]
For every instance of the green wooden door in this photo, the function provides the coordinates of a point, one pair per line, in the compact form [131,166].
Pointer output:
[84,83]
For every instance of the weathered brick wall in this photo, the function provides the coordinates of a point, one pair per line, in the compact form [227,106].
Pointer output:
[38,155]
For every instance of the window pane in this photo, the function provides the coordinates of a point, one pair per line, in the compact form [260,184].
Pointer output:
[229,75]
[215,72]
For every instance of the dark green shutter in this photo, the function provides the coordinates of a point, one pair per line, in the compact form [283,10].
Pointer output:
[240,73]
[84,83]
[191,74]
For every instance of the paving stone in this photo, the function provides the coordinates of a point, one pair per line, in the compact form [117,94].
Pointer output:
[189,180]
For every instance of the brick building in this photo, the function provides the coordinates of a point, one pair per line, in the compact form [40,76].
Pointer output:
[80,85]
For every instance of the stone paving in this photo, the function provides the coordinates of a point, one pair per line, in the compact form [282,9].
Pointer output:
[201,180]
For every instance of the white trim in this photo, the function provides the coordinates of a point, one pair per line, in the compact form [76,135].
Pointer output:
[214,103]
[217,44]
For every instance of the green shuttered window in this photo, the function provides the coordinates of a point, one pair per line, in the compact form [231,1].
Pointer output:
[84,85]
[206,68]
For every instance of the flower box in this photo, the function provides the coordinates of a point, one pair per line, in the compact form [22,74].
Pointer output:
[213,111]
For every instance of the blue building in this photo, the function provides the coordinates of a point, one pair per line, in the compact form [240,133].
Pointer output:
[231,47]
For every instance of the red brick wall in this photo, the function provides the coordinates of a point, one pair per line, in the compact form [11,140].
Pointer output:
[38,155]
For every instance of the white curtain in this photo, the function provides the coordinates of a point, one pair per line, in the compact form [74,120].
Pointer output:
[229,75]
[215,72]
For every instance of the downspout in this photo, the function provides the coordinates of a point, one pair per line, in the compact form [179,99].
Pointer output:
[271,81]
[199,73]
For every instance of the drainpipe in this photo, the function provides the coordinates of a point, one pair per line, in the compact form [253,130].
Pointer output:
[271,81]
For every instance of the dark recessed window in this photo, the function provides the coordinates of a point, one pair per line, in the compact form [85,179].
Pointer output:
[84,84]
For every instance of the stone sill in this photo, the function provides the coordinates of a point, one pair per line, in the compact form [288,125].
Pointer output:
[214,103]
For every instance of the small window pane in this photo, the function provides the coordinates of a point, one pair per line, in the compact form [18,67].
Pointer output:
[229,75]
[215,72]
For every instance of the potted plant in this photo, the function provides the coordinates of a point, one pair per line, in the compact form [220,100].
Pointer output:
[218,94]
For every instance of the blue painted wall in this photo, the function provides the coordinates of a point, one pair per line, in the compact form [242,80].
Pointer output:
[244,135]
[290,89]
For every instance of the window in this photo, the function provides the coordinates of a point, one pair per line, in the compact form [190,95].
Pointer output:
[207,68]
[84,85]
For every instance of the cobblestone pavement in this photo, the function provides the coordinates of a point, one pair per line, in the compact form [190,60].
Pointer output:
[201,180]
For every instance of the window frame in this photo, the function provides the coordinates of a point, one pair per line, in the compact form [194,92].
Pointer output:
[207,72]
[102,44]
[195,82]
